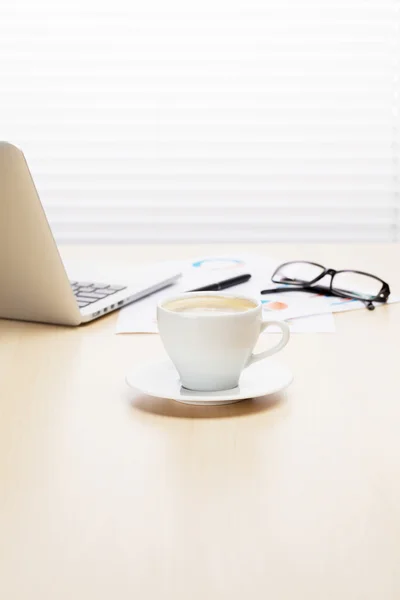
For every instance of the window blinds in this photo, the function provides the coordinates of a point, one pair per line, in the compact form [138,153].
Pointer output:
[225,120]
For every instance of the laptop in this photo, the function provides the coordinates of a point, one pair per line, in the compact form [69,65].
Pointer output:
[34,285]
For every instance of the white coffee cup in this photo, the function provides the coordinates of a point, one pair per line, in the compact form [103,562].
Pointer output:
[210,346]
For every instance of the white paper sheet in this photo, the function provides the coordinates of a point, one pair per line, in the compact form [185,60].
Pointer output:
[140,317]
[344,304]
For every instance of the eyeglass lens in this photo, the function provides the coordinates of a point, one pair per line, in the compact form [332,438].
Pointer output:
[356,284]
[298,273]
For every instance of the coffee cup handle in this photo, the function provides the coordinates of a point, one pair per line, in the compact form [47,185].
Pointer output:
[284,327]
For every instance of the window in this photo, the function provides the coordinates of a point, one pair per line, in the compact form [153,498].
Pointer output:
[225,120]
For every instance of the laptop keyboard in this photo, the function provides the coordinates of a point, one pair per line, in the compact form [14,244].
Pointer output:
[87,293]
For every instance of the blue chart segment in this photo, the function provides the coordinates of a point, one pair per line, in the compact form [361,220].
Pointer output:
[219,264]
[342,301]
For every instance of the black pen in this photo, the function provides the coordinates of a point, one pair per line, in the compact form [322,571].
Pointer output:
[223,285]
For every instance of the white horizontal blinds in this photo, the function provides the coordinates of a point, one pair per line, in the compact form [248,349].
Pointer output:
[224,120]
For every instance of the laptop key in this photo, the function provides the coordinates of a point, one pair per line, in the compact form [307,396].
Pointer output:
[85,289]
[98,295]
[84,298]
[93,295]
[94,292]
[82,304]
[117,288]
[105,291]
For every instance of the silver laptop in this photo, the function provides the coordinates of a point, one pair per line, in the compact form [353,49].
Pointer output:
[34,285]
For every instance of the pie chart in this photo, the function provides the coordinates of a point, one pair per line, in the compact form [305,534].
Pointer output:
[219,264]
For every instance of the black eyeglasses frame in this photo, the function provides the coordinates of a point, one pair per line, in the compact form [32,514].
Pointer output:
[310,286]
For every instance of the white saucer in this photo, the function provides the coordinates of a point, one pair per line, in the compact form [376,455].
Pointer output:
[160,379]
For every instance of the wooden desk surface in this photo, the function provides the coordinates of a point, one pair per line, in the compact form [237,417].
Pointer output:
[104,495]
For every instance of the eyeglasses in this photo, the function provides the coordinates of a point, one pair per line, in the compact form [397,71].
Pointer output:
[302,276]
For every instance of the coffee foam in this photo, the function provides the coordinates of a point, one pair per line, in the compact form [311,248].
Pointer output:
[209,305]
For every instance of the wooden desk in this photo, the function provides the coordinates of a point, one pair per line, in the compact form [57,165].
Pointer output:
[296,497]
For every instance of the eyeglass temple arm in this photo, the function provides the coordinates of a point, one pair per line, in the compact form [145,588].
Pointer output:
[316,289]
